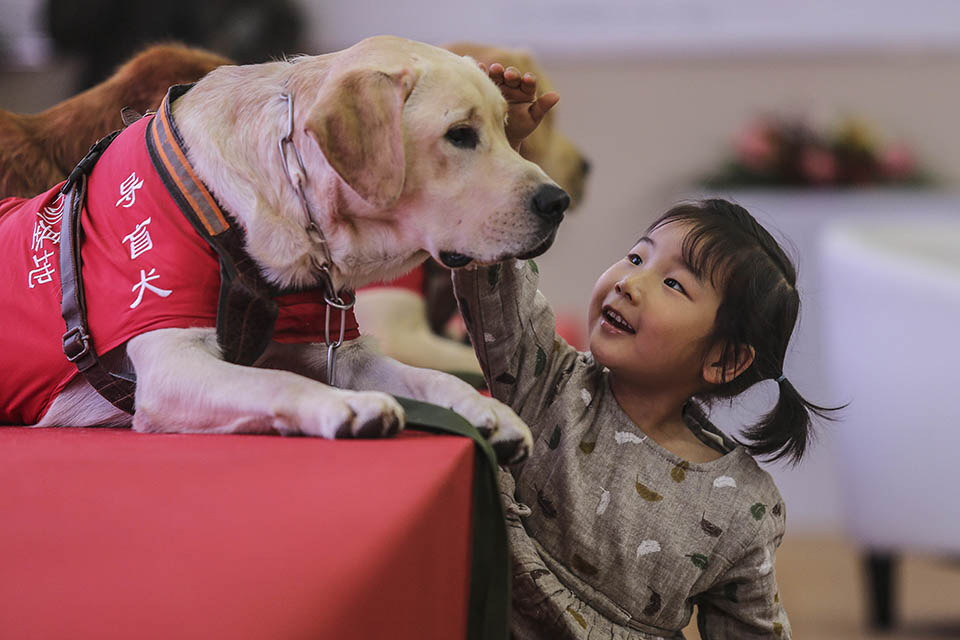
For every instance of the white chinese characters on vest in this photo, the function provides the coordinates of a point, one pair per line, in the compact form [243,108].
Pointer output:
[144,284]
[45,229]
[44,271]
[140,242]
[128,191]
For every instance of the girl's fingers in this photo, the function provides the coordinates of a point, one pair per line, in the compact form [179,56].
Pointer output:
[495,72]
[543,104]
[512,77]
[529,84]
[524,86]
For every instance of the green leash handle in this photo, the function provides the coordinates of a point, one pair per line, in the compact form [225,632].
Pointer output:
[488,616]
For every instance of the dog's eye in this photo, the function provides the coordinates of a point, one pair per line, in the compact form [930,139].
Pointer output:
[463,136]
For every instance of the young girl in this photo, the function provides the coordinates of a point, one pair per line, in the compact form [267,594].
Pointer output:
[633,507]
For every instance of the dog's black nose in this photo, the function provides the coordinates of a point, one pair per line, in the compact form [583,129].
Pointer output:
[549,202]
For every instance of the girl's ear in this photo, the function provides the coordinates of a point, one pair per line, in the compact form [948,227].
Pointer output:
[716,371]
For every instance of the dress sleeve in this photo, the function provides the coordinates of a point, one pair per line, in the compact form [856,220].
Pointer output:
[513,332]
[745,601]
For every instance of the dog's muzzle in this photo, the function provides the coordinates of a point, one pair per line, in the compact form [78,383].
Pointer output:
[549,202]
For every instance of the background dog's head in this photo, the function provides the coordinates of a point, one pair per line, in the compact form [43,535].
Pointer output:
[547,146]
[38,150]
[417,133]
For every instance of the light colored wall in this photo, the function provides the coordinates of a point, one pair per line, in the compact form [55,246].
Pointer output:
[650,127]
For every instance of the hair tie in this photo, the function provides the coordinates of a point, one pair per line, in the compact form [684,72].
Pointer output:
[781,378]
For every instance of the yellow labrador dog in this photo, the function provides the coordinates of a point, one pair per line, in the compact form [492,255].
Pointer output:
[401,153]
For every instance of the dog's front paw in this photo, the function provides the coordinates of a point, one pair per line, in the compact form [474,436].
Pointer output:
[351,414]
[507,433]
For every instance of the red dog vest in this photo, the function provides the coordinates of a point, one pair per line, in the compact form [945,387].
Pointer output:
[144,268]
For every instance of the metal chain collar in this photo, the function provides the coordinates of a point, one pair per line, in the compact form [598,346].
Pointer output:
[331,296]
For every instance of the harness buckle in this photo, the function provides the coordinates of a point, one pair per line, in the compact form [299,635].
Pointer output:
[76,344]
[86,164]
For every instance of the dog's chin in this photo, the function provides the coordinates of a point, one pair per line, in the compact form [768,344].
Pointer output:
[541,248]
[452,260]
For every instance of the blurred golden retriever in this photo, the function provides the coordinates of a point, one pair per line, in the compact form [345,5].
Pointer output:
[547,145]
[38,150]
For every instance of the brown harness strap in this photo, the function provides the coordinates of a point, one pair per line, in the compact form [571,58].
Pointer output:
[77,343]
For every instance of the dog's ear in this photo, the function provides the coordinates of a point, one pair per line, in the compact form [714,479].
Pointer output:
[357,121]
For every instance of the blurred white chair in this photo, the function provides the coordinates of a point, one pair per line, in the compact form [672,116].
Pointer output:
[891,301]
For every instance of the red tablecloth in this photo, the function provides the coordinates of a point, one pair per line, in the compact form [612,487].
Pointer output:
[113,534]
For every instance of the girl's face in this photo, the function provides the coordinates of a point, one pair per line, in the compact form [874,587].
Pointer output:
[649,316]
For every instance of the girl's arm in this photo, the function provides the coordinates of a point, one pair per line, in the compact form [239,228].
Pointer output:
[513,332]
[745,601]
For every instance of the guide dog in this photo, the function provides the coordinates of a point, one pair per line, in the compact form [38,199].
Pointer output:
[397,152]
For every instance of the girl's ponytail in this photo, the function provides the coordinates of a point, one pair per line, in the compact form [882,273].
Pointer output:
[785,431]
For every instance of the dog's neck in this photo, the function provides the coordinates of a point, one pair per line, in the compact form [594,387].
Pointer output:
[231,123]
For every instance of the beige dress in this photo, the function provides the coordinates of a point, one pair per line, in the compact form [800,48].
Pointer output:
[613,536]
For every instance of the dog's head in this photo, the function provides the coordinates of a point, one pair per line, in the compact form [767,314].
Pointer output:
[417,134]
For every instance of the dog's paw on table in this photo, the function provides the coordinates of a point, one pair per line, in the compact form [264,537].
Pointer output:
[349,414]
[507,434]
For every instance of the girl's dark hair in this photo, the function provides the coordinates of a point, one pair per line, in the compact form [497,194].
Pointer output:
[759,306]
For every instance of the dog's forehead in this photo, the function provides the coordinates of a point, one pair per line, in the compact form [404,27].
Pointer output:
[447,75]
[445,83]
[458,85]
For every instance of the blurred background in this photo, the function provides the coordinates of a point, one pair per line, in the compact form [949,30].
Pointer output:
[834,121]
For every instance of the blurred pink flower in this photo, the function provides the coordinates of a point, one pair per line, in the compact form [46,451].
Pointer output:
[897,161]
[788,151]
[818,165]
[755,147]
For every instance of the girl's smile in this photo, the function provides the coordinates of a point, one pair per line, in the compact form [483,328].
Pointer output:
[613,322]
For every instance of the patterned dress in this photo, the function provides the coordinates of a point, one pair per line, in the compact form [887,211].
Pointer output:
[613,536]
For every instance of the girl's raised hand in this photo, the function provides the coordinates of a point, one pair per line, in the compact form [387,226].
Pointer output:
[524,109]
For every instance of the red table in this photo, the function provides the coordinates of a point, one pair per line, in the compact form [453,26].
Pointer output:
[114,534]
